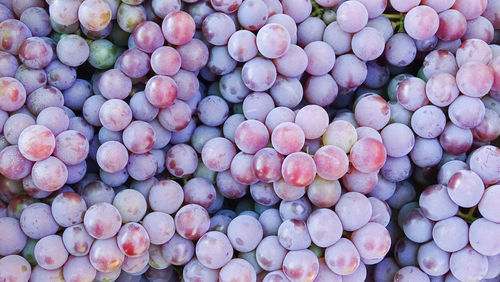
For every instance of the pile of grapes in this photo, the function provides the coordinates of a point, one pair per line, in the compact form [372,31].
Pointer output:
[249,140]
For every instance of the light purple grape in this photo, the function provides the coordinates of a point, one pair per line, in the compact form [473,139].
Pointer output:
[76,240]
[482,237]
[214,250]
[342,257]
[50,252]
[14,267]
[468,264]
[178,251]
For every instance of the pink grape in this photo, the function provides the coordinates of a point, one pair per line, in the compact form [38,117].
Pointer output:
[251,136]
[287,138]
[331,162]
[346,14]
[105,256]
[298,169]
[178,27]
[102,221]
[421,22]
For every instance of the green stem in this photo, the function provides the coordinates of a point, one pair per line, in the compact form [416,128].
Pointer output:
[469,217]
[394,16]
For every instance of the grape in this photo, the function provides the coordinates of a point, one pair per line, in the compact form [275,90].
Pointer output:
[469,84]
[134,63]
[229,187]
[433,260]
[298,169]
[194,55]
[251,136]
[321,58]
[195,270]
[68,209]
[270,254]
[474,50]
[421,22]
[13,165]
[113,84]
[455,139]
[131,204]
[64,12]
[482,237]
[417,227]
[436,204]
[337,38]
[301,265]
[341,134]
[346,16]
[187,85]
[9,63]
[105,256]
[372,241]
[13,94]
[178,27]
[400,50]
[115,149]
[78,268]
[14,239]
[142,109]
[40,274]
[178,251]
[426,152]
[410,273]
[35,53]
[202,134]
[50,252]
[287,92]
[213,31]
[373,111]
[199,191]
[232,88]
[483,162]
[411,93]
[405,252]
[133,240]
[361,48]
[36,142]
[441,89]
[192,221]
[14,267]
[342,257]
[467,264]
[465,197]
[310,30]
[320,90]
[212,110]
[76,240]
[241,46]
[325,227]
[166,196]
[54,118]
[102,221]
[298,11]
[277,116]
[159,226]
[349,71]
[452,25]
[428,121]
[353,203]
[368,155]
[487,130]
[471,10]
[220,62]
[385,270]
[165,54]
[71,147]
[381,212]
[16,30]
[241,169]
[237,269]
[252,15]
[398,139]
[257,105]
[244,233]
[258,74]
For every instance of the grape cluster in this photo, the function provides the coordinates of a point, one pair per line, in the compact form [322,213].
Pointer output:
[255,140]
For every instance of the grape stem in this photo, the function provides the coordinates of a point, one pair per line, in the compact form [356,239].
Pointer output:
[317,10]
[469,216]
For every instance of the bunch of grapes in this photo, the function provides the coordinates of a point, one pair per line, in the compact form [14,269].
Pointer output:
[255,140]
